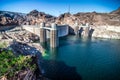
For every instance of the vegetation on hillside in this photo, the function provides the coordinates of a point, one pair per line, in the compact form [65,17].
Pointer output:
[11,65]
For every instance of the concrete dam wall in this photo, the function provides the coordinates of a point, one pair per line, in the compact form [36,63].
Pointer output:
[63,30]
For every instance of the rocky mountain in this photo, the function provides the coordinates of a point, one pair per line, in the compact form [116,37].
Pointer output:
[116,11]
[11,18]
[14,18]
[33,17]
[92,18]
[37,17]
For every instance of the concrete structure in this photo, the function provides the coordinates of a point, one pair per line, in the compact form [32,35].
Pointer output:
[53,32]
[82,29]
[76,29]
[85,32]
[63,30]
[54,39]
[42,33]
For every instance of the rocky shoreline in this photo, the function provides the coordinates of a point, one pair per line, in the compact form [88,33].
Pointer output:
[19,35]
[109,32]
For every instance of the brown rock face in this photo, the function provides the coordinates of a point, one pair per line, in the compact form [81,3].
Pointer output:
[10,18]
[94,18]
[7,21]
[37,17]
[116,11]
[91,18]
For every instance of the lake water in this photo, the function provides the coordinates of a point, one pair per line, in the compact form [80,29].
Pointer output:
[83,59]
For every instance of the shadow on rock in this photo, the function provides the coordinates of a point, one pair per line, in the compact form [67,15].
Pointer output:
[91,32]
[23,48]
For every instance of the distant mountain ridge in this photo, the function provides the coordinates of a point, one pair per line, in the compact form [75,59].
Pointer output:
[33,17]
[11,18]
[116,11]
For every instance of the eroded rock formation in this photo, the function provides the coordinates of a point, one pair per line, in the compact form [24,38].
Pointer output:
[37,17]
[11,18]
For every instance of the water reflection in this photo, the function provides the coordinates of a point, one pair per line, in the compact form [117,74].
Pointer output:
[53,53]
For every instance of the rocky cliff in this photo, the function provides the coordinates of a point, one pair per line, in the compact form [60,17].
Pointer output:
[33,17]
[11,18]
[37,17]
[107,24]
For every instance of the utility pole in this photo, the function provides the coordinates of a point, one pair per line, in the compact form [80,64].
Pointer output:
[69,8]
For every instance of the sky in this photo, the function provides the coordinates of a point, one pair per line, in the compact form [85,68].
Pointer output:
[57,7]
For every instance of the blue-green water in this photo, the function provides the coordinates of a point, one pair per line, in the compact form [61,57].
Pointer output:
[83,59]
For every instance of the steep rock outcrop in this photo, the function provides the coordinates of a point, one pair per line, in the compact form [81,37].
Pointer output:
[37,17]
[11,18]
[116,11]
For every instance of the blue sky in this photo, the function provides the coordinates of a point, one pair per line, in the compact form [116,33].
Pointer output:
[56,7]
